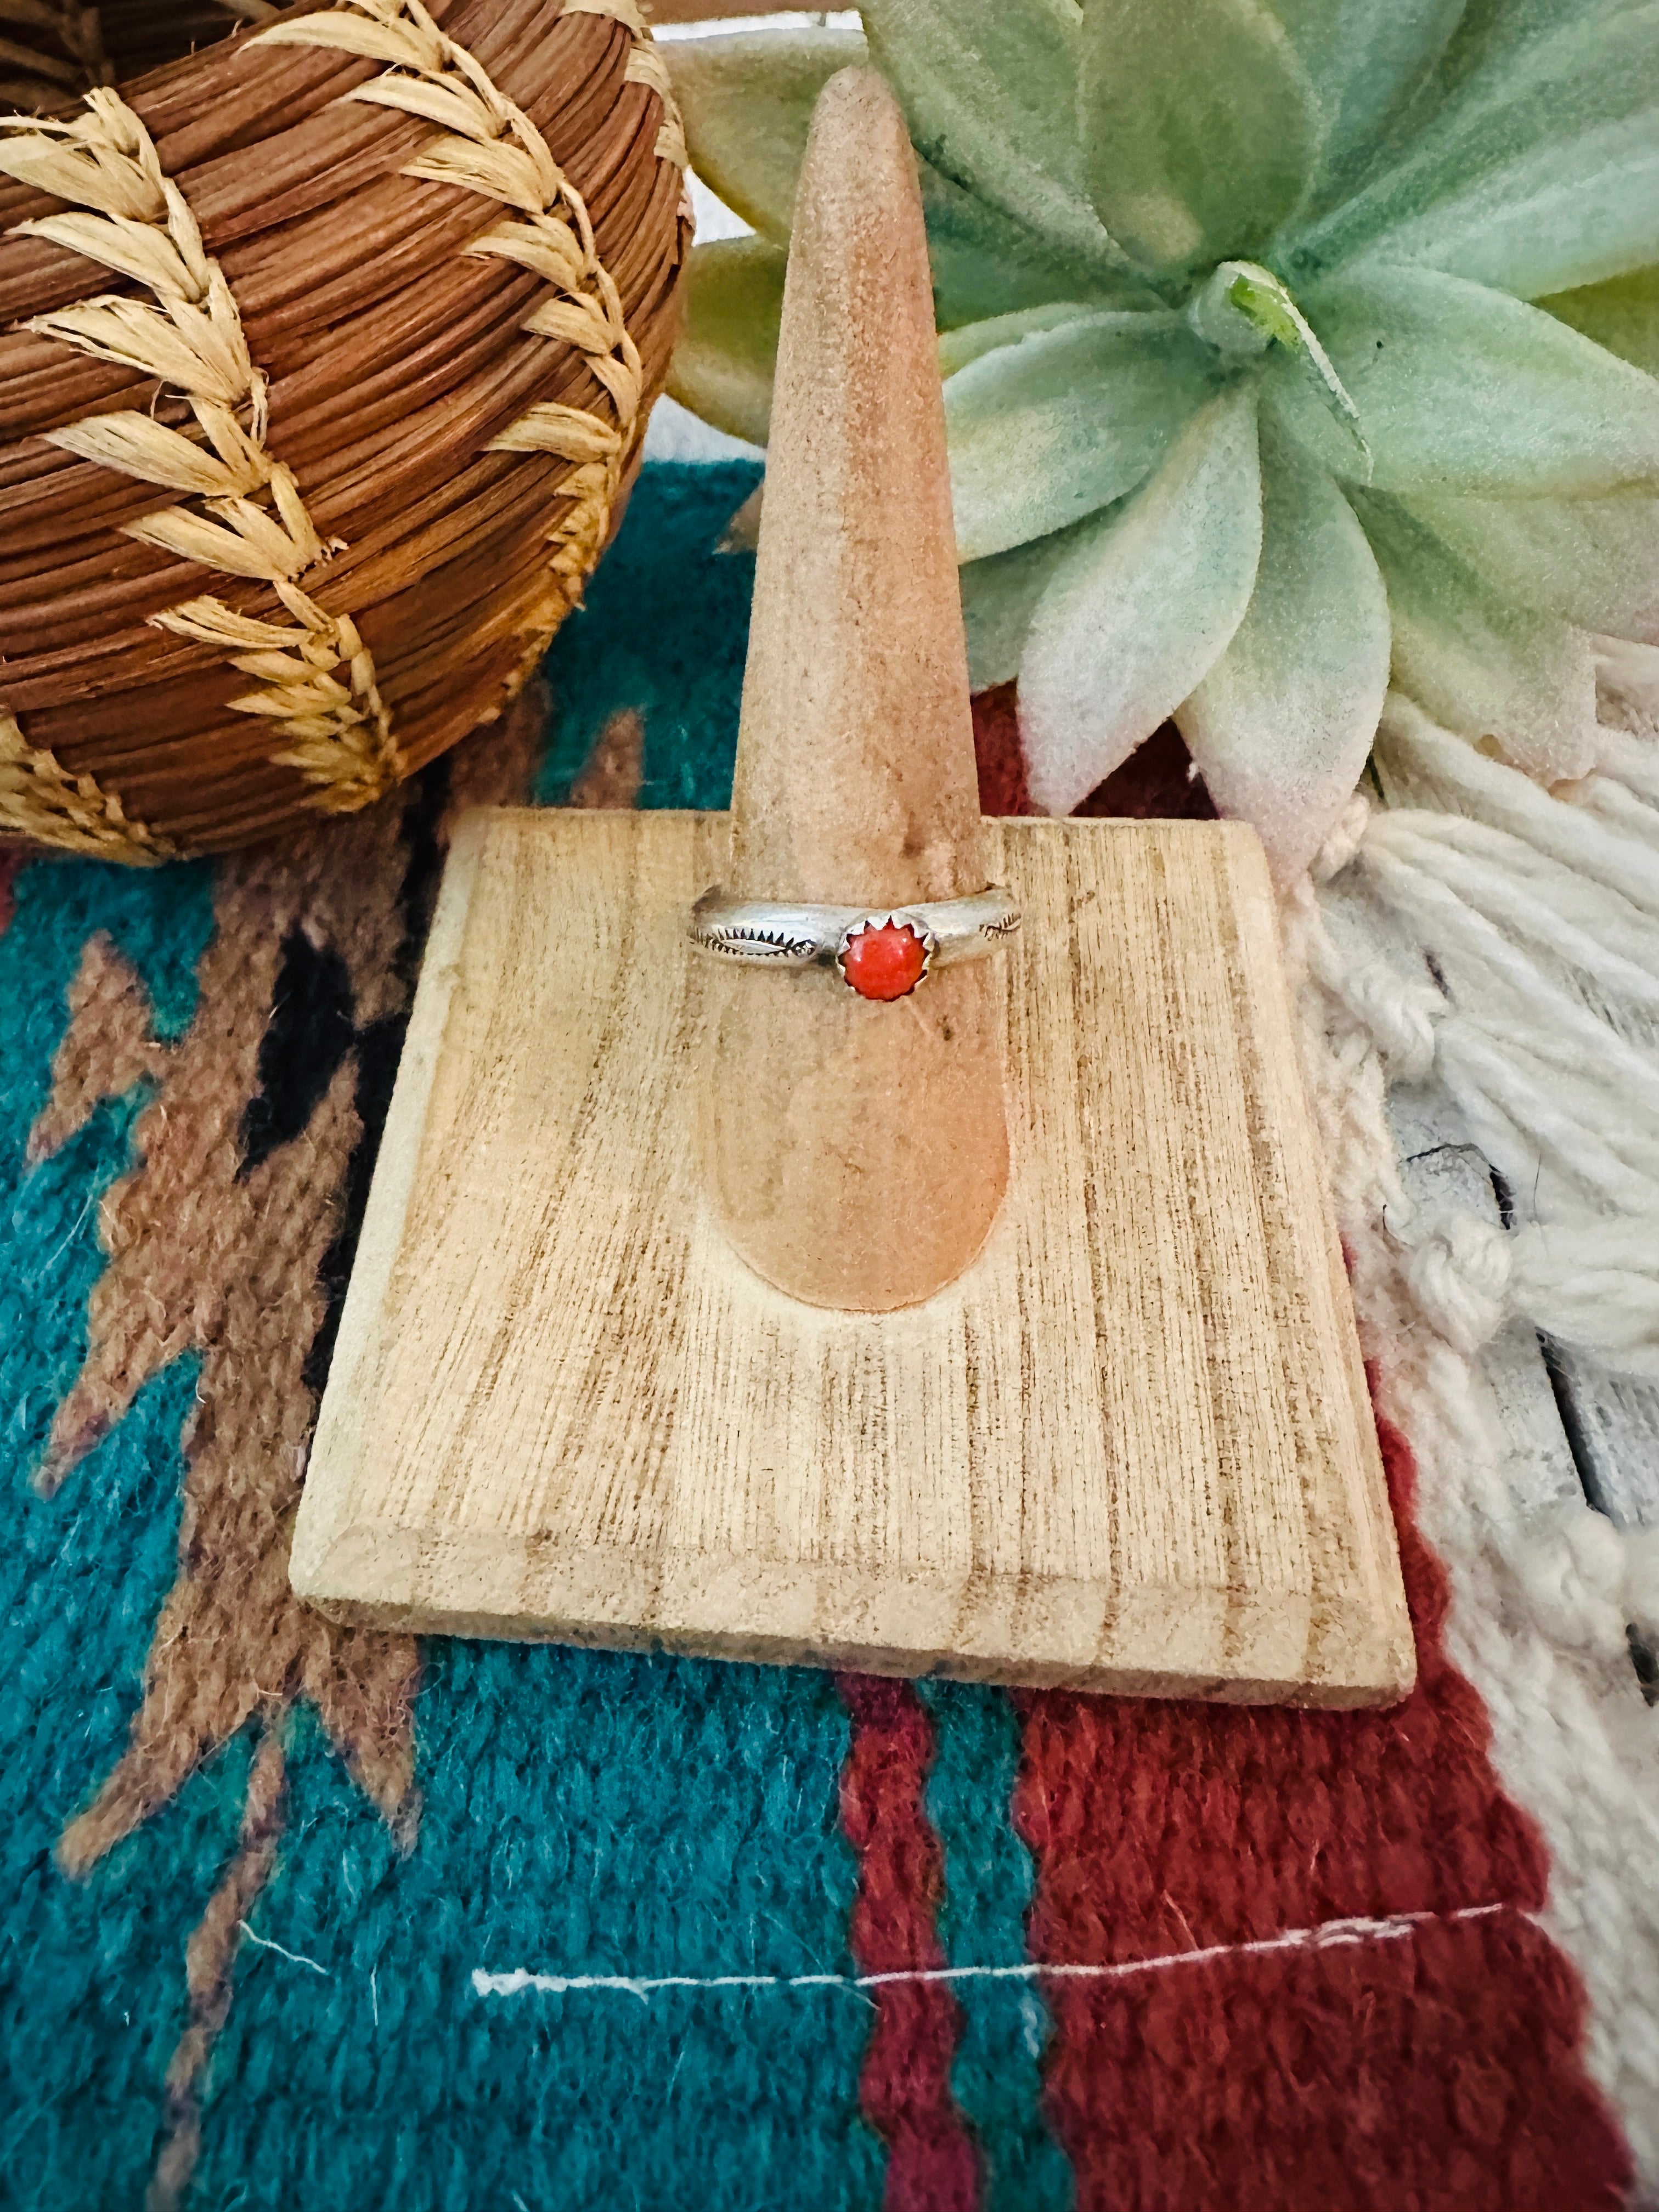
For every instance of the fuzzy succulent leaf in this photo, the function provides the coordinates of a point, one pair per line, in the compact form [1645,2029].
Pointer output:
[1348,202]
[1243,309]
[1063,421]
[956,348]
[723,364]
[1540,171]
[1486,42]
[988,86]
[1621,314]
[746,100]
[1280,726]
[746,97]
[1492,35]
[1000,596]
[1460,389]
[1476,661]
[1201,127]
[1142,606]
[1365,63]
[987,264]
[1596,562]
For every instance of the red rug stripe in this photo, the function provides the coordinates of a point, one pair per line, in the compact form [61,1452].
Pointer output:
[1158,781]
[904,2088]
[1438,2072]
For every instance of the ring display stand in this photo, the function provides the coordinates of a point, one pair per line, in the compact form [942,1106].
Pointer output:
[1130,1448]
[691,1310]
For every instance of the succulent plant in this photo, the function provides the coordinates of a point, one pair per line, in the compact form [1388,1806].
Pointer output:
[1286,344]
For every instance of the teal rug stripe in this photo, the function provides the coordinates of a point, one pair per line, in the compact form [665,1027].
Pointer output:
[664,631]
[997,2077]
[92,1974]
[584,1813]
[160,918]
[92,1982]
[49,1252]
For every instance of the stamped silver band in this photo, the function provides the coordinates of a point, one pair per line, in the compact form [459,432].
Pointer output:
[768,934]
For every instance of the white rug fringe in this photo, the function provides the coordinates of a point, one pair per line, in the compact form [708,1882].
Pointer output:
[1532,911]
[1538,917]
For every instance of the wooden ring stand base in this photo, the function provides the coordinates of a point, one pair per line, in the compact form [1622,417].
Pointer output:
[1130,1449]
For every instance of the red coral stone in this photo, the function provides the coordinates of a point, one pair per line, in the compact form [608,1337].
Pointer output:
[886,962]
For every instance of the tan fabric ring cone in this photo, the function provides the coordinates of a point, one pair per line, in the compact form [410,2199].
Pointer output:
[315,410]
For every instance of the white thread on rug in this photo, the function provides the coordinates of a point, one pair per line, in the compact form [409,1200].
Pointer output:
[294,1957]
[1540,1593]
[1328,1935]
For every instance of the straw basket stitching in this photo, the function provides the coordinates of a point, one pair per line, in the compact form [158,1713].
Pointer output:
[248,518]
[39,798]
[491,147]
[238,509]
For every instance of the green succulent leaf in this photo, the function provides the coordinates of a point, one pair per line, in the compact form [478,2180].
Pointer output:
[1474,660]
[1492,35]
[1281,725]
[747,100]
[1594,560]
[1540,171]
[1201,128]
[746,97]
[956,348]
[1306,422]
[1366,61]
[1142,606]
[1622,315]
[722,367]
[987,264]
[1064,420]
[1460,389]
[989,88]
[999,598]
[1243,308]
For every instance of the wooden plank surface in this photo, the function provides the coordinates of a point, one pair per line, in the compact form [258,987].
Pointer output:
[1129,1449]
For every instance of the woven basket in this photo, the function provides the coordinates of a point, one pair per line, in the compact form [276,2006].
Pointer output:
[325,354]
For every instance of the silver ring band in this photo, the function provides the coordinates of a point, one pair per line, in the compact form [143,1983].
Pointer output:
[768,934]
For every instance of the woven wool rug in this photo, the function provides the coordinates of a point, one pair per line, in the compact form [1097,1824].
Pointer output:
[299,1916]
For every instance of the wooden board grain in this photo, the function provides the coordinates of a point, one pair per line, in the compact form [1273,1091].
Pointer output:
[1130,1449]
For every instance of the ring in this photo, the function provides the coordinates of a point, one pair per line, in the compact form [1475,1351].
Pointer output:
[880,953]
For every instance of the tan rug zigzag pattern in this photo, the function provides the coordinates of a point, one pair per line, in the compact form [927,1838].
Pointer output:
[205,1255]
